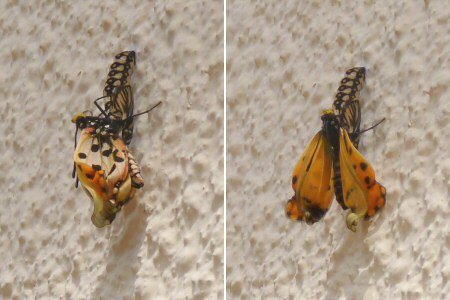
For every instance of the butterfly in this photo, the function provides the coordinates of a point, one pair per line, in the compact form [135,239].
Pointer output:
[332,165]
[104,165]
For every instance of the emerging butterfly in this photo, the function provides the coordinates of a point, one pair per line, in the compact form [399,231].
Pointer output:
[103,163]
[332,164]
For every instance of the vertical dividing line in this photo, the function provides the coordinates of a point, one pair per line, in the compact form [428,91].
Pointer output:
[224,149]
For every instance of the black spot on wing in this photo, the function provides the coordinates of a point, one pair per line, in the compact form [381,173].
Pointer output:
[363,166]
[294,180]
[112,169]
[106,152]
[96,167]
[367,180]
[116,158]
[316,213]
[82,155]
[95,147]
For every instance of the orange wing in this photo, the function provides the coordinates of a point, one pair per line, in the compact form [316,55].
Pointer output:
[312,182]
[362,193]
[103,170]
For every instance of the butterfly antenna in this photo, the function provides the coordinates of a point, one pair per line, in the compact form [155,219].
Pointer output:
[144,112]
[372,127]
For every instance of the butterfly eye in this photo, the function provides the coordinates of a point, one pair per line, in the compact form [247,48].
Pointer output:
[77,117]
[80,121]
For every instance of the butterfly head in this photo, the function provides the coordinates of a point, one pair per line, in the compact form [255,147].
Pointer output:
[328,115]
[83,119]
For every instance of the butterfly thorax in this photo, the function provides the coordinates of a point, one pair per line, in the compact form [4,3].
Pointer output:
[331,127]
[98,125]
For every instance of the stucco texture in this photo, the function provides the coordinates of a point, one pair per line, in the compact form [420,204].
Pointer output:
[284,63]
[168,242]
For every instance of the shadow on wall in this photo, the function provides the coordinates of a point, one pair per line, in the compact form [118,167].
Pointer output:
[120,274]
[353,268]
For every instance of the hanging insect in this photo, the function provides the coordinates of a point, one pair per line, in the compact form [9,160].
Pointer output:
[331,164]
[103,163]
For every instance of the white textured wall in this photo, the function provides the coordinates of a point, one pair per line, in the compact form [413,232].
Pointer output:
[284,62]
[167,243]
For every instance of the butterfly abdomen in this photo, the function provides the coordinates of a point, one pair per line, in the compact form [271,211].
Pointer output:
[331,129]
[135,172]
[338,182]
